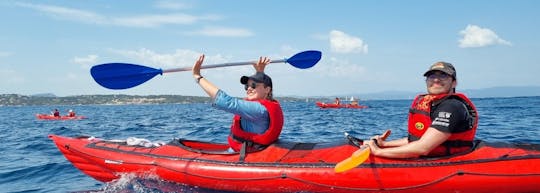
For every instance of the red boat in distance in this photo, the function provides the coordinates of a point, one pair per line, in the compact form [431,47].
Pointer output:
[333,105]
[63,117]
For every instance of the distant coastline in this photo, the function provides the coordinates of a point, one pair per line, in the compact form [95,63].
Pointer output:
[51,99]
[494,92]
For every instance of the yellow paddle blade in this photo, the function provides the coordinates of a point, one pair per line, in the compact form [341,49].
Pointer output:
[357,158]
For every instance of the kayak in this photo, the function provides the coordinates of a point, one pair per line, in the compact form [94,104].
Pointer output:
[333,105]
[306,167]
[51,117]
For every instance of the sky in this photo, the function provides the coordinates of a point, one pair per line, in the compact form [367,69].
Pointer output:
[367,46]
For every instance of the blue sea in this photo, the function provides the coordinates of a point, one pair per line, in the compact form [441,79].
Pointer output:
[30,161]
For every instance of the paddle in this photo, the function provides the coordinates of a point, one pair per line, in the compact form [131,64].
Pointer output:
[357,158]
[123,75]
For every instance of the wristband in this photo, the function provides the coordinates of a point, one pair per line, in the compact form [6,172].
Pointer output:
[198,79]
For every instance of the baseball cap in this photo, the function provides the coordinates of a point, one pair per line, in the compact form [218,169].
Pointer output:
[443,67]
[259,77]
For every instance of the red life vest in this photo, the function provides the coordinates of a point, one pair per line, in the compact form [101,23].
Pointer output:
[420,121]
[238,135]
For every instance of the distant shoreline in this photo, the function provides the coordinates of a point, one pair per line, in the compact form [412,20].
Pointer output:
[49,99]
[24,100]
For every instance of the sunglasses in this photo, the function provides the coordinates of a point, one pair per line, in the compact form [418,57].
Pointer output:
[441,77]
[253,85]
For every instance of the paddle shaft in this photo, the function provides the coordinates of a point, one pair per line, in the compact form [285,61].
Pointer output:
[358,157]
[219,65]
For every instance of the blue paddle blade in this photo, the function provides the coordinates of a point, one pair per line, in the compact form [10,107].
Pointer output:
[121,75]
[305,59]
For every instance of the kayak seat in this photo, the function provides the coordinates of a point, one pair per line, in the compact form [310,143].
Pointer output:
[203,147]
[476,144]
[296,150]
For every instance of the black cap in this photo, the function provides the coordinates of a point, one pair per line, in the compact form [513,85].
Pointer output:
[259,77]
[443,67]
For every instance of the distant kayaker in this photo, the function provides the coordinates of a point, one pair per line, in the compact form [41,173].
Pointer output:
[337,101]
[441,122]
[56,113]
[71,113]
[258,118]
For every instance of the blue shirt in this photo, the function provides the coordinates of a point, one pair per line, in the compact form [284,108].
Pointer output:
[255,117]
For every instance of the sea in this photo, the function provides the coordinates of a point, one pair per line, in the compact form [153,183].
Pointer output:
[30,162]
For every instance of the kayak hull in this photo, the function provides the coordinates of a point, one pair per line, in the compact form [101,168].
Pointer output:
[336,106]
[51,117]
[307,167]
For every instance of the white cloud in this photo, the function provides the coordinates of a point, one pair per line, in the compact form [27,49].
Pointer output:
[155,20]
[180,58]
[5,54]
[86,61]
[287,49]
[340,68]
[341,42]
[72,76]
[319,36]
[158,20]
[67,13]
[150,57]
[222,32]
[9,77]
[475,36]
[172,5]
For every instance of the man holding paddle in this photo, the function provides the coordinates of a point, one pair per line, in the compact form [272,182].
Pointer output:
[258,118]
[441,122]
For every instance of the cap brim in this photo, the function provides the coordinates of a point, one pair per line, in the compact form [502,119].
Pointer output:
[427,73]
[431,71]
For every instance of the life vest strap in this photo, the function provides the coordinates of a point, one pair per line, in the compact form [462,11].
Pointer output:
[458,143]
[242,157]
[252,145]
[448,145]
[416,111]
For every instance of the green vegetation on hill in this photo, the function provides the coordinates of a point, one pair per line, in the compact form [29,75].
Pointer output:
[23,100]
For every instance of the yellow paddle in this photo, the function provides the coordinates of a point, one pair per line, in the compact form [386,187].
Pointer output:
[357,158]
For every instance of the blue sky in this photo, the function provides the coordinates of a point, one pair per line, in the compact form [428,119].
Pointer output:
[367,46]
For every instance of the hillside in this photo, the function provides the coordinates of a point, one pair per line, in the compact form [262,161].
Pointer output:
[522,91]
[51,99]
[23,100]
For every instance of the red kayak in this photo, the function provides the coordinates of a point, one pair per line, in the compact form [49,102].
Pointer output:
[51,117]
[307,167]
[333,105]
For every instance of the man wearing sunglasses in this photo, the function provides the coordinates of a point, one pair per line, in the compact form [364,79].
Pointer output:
[441,122]
[258,118]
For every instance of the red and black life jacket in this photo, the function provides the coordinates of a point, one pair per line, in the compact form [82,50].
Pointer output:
[420,121]
[255,140]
